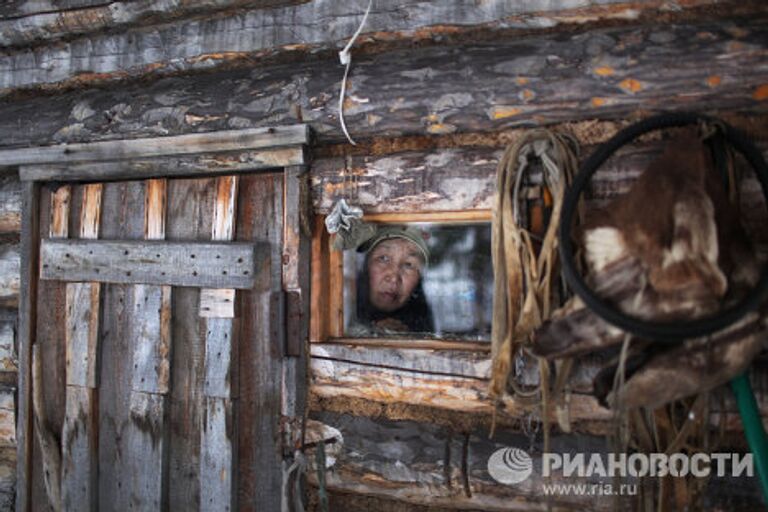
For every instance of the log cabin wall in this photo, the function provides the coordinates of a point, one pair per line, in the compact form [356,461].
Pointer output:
[435,93]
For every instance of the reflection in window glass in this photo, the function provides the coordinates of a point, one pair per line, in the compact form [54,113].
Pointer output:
[455,284]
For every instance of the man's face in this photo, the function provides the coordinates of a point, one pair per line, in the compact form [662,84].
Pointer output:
[394,269]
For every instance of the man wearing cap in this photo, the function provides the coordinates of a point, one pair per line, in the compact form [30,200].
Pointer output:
[390,292]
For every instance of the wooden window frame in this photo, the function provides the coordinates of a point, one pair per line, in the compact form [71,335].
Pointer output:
[327,289]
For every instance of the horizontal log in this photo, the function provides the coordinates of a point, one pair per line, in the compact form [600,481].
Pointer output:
[228,140]
[7,418]
[205,164]
[8,360]
[424,464]
[515,82]
[9,274]
[195,264]
[10,203]
[464,178]
[206,41]
[331,379]
[25,22]
[440,362]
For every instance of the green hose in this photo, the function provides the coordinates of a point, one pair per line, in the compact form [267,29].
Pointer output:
[753,427]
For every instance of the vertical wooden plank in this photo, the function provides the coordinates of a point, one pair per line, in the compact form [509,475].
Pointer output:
[79,450]
[218,487]
[336,293]
[80,430]
[147,442]
[123,218]
[150,382]
[295,278]
[27,319]
[60,201]
[259,218]
[48,389]
[82,333]
[190,203]
[318,329]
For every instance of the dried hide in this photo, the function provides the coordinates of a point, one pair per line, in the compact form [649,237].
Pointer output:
[671,249]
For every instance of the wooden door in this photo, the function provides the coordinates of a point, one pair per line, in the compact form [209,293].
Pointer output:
[159,373]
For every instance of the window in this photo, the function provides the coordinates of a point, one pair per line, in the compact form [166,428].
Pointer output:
[454,281]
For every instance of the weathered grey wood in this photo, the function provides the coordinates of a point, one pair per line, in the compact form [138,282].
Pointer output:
[8,360]
[148,471]
[152,335]
[203,43]
[331,379]
[24,22]
[218,448]
[190,203]
[203,164]
[260,358]
[9,273]
[7,419]
[123,218]
[463,178]
[22,8]
[79,472]
[221,302]
[526,80]
[82,334]
[10,203]
[79,450]
[26,336]
[227,140]
[218,357]
[217,303]
[218,456]
[197,264]
[438,362]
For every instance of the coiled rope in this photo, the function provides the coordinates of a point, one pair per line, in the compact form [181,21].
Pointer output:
[524,278]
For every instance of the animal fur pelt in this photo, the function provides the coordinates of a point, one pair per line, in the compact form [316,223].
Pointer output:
[671,249]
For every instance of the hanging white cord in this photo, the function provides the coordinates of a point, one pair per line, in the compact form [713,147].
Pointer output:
[346,58]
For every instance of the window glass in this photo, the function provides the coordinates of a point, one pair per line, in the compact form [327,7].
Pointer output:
[441,287]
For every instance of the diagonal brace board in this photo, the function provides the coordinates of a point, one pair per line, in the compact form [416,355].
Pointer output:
[194,264]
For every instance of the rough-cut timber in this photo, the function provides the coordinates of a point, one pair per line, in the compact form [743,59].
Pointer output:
[10,203]
[151,368]
[197,264]
[419,464]
[183,166]
[218,448]
[23,22]
[9,274]
[80,433]
[440,362]
[203,43]
[603,73]
[227,140]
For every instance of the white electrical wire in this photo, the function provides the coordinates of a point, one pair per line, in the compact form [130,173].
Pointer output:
[346,58]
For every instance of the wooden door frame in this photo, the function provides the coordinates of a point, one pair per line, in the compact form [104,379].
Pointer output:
[190,155]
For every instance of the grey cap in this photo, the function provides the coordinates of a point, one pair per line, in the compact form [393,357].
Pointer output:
[389,231]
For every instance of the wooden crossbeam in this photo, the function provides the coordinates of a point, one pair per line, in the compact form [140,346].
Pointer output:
[194,264]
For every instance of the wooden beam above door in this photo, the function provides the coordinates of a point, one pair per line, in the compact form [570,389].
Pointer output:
[198,153]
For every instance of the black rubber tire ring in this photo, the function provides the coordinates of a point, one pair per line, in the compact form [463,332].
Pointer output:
[670,331]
